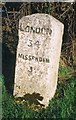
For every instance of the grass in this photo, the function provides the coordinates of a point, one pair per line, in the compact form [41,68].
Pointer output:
[65,72]
[0,98]
[61,106]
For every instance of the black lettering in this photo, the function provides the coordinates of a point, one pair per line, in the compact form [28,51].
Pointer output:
[50,31]
[37,30]
[36,59]
[27,29]
[43,60]
[40,59]
[43,30]
[33,57]
[30,57]
[47,30]
[20,55]
[30,43]
[23,57]
[26,57]
[47,60]
[37,43]
[32,29]
[30,69]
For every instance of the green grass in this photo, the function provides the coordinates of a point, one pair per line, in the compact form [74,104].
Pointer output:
[61,106]
[65,72]
[0,98]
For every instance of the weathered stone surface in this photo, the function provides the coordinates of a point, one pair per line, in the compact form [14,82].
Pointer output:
[38,53]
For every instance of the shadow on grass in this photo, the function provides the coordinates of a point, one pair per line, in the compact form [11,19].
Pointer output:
[32,99]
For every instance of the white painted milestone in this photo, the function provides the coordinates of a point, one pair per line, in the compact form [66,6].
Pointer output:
[37,59]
